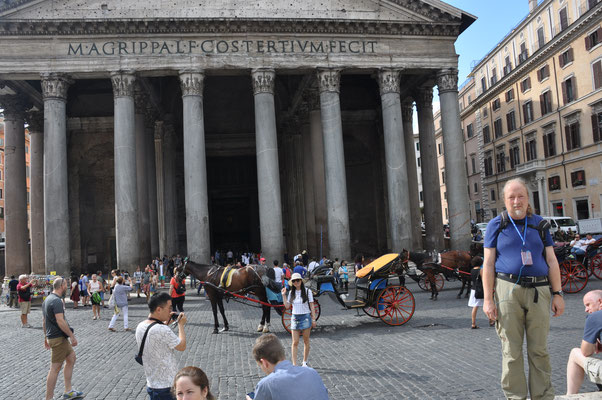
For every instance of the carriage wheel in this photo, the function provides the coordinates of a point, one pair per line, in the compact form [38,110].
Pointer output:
[596,265]
[371,311]
[287,315]
[395,305]
[425,285]
[573,276]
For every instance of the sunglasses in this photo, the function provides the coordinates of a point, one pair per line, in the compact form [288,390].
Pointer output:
[296,280]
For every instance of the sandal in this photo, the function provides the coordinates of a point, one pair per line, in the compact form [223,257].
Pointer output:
[112,329]
[474,327]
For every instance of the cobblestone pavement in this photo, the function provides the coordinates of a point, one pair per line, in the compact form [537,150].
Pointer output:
[434,356]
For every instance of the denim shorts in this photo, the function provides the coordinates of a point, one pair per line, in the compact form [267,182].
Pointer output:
[160,394]
[300,322]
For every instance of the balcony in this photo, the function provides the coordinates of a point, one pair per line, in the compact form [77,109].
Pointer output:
[531,167]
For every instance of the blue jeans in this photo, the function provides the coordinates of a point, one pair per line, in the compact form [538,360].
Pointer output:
[577,251]
[160,394]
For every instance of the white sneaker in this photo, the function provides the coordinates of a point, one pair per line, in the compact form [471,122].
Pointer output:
[304,364]
[266,328]
[259,328]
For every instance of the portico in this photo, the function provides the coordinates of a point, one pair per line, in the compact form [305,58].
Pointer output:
[271,135]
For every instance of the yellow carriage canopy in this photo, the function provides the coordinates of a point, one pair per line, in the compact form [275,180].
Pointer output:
[377,264]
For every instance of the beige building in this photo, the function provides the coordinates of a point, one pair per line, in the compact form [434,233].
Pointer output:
[532,107]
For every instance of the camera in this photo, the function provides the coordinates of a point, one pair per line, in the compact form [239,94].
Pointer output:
[173,317]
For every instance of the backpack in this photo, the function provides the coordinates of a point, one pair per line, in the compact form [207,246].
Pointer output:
[541,228]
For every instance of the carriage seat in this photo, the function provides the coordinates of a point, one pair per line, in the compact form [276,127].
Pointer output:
[324,278]
[271,284]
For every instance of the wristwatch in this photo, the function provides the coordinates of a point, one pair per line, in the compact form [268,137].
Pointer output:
[558,293]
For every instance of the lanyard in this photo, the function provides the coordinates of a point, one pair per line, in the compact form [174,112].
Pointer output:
[522,237]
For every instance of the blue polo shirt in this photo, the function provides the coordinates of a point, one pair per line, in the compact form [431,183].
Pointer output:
[291,382]
[593,327]
[508,245]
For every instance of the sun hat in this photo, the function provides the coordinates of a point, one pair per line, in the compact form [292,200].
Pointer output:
[262,259]
[295,276]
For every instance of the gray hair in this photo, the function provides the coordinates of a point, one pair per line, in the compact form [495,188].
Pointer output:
[21,277]
[520,181]
[58,283]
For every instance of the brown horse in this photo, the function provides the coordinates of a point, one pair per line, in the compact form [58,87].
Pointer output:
[244,280]
[460,260]
[424,262]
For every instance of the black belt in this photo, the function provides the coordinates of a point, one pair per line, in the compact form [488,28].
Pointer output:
[525,281]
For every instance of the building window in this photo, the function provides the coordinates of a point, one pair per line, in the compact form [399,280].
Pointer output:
[440,148]
[497,128]
[443,177]
[493,76]
[418,159]
[0,174]
[420,195]
[496,104]
[27,172]
[543,73]
[528,111]
[1,212]
[484,84]
[486,135]
[493,212]
[525,84]
[565,58]
[558,209]
[489,163]
[492,194]
[546,103]
[597,74]
[554,183]
[524,54]
[541,37]
[578,178]
[597,127]
[564,19]
[507,65]
[1,194]
[500,162]
[476,187]
[572,135]
[511,121]
[509,95]
[514,155]
[469,131]
[549,144]
[531,149]
[473,163]
[582,207]
[417,146]
[485,112]
[569,90]
[593,39]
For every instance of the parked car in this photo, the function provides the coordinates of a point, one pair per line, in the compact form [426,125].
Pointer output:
[482,227]
[565,224]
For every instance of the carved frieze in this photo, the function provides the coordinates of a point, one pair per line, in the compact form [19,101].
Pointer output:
[14,107]
[388,81]
[447,80]
[263,80]
[55,86]
[329,79]
[123,84]
[192,83]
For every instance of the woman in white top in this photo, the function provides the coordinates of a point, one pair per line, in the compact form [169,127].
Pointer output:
[304,315]
[94,286]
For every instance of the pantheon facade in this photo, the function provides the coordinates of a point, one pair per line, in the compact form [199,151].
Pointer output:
[164,127]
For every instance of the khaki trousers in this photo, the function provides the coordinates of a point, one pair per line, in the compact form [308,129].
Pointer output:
[519,314]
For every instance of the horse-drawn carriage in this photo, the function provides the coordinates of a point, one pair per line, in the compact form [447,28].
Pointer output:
[575,270]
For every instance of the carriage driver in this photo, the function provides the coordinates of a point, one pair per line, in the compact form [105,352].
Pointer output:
[524,271]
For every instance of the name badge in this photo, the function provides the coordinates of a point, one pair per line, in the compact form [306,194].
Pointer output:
[526,257]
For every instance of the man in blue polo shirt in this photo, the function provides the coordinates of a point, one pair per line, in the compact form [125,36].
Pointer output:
[284,380]
[524,270]
[581,361]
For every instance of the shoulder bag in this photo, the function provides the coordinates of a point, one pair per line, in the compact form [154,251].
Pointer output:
[138,357]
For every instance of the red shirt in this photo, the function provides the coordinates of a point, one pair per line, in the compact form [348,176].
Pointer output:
[24,290]
[174,285]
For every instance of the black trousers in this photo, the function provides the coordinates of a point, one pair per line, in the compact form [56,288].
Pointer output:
[177,304]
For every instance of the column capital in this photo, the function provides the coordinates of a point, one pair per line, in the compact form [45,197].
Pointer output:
[14,107]
[329,79]
[55,86]
[191,83]
[158,130]
[424,96]
[312,98]
[447,80]
[389,80]
[407,110]
[123,84]
[35,119]
[264,80]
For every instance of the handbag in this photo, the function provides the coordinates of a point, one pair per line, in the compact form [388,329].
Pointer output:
[112,300]
[138,357]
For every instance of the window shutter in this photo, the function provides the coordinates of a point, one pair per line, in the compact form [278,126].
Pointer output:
[588,42]
[525,113]
[540,74]
[574,85]
[567,134]
[507,97]
[564,94]
[571,55]
[546,152]
[542,104]
[529,83]
[595,127]
[599,34]
[597,74]
[561,60]
[508,122]
[547,70]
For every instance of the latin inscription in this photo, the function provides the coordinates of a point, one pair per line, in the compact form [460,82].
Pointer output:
[214,46]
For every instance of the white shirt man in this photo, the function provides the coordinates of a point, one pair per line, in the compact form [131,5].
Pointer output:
[313,264]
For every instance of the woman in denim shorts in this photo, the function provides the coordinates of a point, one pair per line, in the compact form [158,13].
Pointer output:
[304,316]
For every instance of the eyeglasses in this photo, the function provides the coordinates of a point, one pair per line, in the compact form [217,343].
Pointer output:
[296,280]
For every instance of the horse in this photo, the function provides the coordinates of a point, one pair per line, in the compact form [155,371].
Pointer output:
[244,280]
[424,262]
[462,261]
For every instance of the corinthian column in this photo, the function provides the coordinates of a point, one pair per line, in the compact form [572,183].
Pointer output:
[334,164]
[195,168]
[160,177]
[126,192]
[407,112]
[56,200]
[433,218]
[268,171]
[455,162]
[15,188]
[36,190]
[152,181]
[395,157]
[169,187]
[140,102]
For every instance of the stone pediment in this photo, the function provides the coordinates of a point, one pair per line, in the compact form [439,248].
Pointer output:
[396,11]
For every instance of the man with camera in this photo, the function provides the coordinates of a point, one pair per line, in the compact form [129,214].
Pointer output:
[160,366]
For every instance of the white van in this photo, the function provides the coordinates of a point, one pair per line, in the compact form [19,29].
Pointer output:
[562,223]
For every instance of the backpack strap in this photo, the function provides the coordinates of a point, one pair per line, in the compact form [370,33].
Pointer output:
[145,335]
[542,227]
